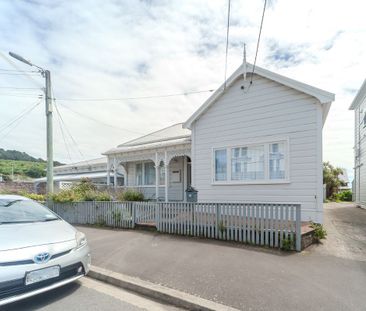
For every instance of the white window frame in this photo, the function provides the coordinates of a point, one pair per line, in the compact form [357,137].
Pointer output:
[266,179]
[143,175]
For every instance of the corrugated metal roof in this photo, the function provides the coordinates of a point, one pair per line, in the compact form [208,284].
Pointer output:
[83,163]
[159,144]
[75,176]
[172,132]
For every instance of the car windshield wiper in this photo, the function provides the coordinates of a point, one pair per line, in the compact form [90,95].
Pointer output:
[49,219]
[12,202]
[15,222]
[27,221]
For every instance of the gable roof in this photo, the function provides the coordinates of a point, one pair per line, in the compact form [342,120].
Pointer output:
[360,96]
[324,97]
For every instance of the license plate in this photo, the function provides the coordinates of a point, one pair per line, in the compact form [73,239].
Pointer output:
[42,275]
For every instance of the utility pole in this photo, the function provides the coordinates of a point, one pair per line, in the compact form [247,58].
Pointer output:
[49,109]
[48,101]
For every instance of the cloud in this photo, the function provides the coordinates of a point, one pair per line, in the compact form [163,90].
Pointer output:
[117,49]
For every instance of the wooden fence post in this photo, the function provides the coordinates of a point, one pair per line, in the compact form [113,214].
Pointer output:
[133,211]
[217,227]
[157,216]
[298,227]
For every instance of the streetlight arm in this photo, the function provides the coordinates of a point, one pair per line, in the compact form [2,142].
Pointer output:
[23,60]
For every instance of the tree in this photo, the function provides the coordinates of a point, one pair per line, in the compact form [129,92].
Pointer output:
[331,179]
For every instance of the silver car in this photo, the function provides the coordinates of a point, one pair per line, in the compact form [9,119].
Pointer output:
[39,251]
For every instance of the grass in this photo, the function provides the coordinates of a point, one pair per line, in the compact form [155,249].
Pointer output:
[23,169]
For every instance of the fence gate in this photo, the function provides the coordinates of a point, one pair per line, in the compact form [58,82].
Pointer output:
[145,213]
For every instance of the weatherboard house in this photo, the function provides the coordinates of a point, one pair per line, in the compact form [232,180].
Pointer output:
[359,182]
[249,142]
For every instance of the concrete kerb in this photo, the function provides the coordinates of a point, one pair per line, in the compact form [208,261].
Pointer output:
[156,291]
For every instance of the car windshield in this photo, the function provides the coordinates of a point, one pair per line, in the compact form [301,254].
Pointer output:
[23,211]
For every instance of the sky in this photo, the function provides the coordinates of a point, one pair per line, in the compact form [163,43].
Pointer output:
[122,49]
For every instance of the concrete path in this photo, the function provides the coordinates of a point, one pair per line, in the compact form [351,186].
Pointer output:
[323,277]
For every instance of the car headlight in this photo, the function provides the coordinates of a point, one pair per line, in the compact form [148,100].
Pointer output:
[80,239]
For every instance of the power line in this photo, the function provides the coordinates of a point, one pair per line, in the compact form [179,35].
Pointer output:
[17,121]
[19,88]
[22,113]
[227,40]
[259,38]
[25,73]
[100,122]
[18,74]
[62,132]
[68,132]
[17,70]
[18,95]
[134,98]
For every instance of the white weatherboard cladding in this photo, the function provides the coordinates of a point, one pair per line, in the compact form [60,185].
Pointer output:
[176,189]
[360,148]
[268,112]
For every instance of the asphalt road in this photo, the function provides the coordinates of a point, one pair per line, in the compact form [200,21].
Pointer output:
[330,276]
[87,294]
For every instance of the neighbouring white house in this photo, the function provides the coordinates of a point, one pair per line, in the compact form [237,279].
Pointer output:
[66,175]
[249,142]
[344,178]
[359,182]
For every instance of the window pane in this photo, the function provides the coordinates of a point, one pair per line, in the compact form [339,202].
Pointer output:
[139,174]
[162,173]
[277,161]
[247,163]
[220,164]
[149,173]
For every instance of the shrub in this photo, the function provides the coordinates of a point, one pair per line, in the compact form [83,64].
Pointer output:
[131,195]
[89,195]
[344,196]
[103,196]
[36,197]
[83,187]
[288,244]
[319,231]
[66,196]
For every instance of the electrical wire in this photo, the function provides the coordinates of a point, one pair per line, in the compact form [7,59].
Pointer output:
[22,113]
[68,132]
[18,74]
[19,88]
[62,132]
[17,121]
[227,40]
[259,38]
[134,98]
[105,124]
[17,70]
[25,73]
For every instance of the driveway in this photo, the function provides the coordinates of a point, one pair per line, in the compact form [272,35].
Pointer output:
[331,276]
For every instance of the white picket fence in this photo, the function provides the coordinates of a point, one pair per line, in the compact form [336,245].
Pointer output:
[112,214]
[256,223]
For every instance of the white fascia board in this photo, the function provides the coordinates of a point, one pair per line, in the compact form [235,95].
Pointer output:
[324,97]
[360,96]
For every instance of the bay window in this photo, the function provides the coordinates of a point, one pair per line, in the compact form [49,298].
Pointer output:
[220,164]
[161,174]
[139,174]
[247,163]
[253,163]
[149,176]
[277,161]
[145,174]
